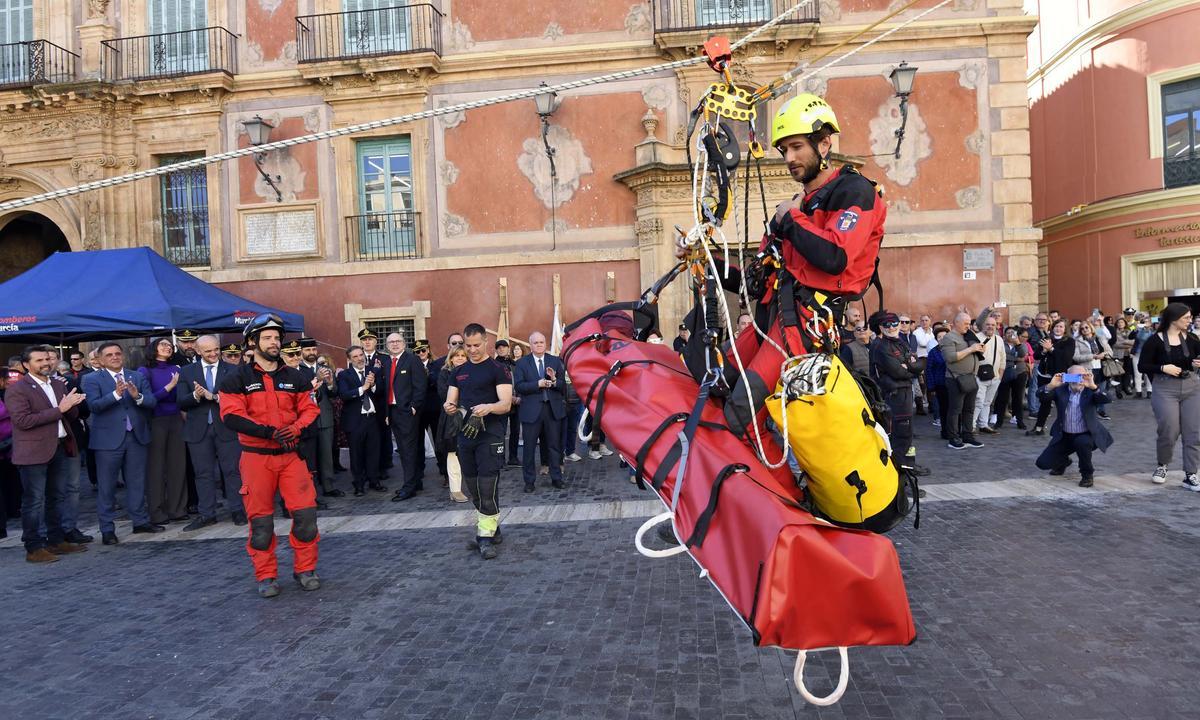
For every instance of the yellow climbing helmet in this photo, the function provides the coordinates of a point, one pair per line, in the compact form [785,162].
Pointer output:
[804,114]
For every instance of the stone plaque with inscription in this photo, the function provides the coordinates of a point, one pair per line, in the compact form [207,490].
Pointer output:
[979,259]
[280,232]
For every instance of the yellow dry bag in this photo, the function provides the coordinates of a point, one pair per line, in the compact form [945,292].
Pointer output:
[840,445]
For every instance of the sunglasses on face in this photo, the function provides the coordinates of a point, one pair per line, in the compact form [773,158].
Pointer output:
[860,329]
[890,324]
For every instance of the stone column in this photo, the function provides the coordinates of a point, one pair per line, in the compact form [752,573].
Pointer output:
[93,30]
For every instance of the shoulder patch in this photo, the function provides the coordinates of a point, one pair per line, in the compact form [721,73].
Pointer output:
[847,220]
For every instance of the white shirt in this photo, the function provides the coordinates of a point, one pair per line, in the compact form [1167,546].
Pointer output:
[925,341]
[49,390]
[116,379]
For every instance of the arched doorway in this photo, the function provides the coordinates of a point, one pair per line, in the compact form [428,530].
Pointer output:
[26,239]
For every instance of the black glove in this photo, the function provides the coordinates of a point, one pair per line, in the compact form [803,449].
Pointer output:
[473,427]
[286,437]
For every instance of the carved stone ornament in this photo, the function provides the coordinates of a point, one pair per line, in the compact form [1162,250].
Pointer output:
[648,231]
[92,225]
[455,225]
[97,8]
[447,173]
[970,74]
[451,120]
[975,142]
[637,20]
[656,96]
[570,159]
[650,123]
[89,168]
[460,36]
[968,197]
[553,32]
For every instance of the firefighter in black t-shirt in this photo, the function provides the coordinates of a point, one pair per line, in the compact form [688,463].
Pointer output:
[483,390]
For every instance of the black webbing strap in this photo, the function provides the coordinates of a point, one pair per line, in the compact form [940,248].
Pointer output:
[570,349]
[675,454]
[702,523]
[643,453]
[600,386]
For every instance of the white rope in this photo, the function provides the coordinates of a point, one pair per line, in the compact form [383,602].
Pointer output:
[831,698]
[668,516]
[386,122]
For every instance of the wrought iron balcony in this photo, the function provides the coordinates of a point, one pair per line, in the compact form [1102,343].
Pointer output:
[168,55]
[688,15]
[384,236]
[1181,172]
[188,256]
[35,62]
[369,33]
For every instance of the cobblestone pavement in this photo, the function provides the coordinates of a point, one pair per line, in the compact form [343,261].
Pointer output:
[1074,607]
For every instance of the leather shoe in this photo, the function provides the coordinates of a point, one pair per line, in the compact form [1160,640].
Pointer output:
[66,548]
[334,493]
[109,538]
[200,522]
[1059,470]
[379,487]
[41,555]
[528,487]
[78,538]
[401,496]
[239,518]
[151,528]
[559,484]
[359,492]
[1086,482]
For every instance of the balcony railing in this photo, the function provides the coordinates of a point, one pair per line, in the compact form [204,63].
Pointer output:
[384,236]
[685,15]
[1182,172]
[35,62]
[168,55]
[196,256]
[369,33]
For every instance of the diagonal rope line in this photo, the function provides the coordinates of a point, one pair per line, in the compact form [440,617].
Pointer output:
[386,122]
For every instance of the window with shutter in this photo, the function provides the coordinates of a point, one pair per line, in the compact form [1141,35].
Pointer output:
[179,43]
[185,213]
[375,27]
[16,26]
[387,224]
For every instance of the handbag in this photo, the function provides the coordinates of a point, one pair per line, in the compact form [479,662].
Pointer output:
[1111,368]
[967,383]
[987,371]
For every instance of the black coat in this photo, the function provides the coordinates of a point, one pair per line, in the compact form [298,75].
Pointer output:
[1155,354]
[894,364]
[409,380]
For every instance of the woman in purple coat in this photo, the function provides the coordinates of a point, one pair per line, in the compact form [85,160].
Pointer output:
[7,471]
[166,464]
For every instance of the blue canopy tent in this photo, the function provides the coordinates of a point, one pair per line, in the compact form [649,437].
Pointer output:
[124,293]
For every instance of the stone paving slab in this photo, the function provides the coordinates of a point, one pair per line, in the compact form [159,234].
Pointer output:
[1078,607]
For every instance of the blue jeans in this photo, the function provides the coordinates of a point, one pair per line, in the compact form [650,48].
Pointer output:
[571,428]
[1032,403]
[68,509]
[44,491]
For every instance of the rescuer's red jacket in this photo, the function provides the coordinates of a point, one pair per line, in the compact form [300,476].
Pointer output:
[832,241]
[255,403]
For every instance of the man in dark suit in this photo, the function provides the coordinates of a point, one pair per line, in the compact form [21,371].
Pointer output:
[355,385]
[433,403]
[538,379]
[1077,429]
[43,443]
[324,390]
[404,390]
[213,447]
[429,411]
[120,401]
[374,360]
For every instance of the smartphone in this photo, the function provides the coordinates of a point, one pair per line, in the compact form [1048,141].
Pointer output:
[1072,378]
[1000,304]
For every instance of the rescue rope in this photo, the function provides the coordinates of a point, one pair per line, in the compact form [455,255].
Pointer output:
[831,698]
[386,122]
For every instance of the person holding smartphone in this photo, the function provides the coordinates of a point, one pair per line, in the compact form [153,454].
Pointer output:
[1171,359]
[1077,429]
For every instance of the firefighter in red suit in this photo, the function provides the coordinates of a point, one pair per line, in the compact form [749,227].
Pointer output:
[820,253]
[268,404]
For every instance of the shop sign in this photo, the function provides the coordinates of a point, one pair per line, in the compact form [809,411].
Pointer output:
[1181,234]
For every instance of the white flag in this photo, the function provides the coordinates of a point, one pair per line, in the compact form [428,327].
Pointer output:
[556,333]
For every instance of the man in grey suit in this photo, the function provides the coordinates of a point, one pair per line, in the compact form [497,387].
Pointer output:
[213,447]
[120,401]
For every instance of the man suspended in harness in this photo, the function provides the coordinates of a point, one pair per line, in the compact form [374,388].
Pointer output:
[820,253]
[269,404]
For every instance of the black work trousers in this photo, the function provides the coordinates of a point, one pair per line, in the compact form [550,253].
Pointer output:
[960,417]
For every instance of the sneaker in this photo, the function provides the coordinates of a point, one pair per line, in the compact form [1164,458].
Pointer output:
[1160,475]
[604,450]
[1012,420]
[594,454]
[308,580]
[1104,416]
[972,442]
[936,423]
[992,420]
[956,445]
[268,588]
[574,457]
[1191,483]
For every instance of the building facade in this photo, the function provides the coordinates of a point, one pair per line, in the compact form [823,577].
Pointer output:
[425,226]
[1115,98]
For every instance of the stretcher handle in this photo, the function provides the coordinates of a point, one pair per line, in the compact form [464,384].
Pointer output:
[831,698]
[583,418]
[645,528]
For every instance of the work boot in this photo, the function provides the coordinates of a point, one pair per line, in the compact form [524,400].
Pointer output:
[41,555]
[268,588]
[497,538]
[308,580]
[66,548]
[487,548]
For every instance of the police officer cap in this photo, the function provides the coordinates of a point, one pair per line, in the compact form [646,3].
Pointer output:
[186,335]
[421,344]
[291,348]
[232,348]
[1130,311]
[367,333]
[307,342]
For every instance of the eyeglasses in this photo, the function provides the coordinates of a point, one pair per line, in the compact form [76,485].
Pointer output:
[905,322]
[860,328]
[890,324]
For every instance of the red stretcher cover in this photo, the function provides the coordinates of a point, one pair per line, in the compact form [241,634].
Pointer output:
[796,581]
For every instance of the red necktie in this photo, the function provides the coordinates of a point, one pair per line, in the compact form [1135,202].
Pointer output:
[392,382]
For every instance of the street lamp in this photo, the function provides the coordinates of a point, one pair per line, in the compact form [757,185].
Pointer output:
[259,132]
[546,103]
[902,77]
